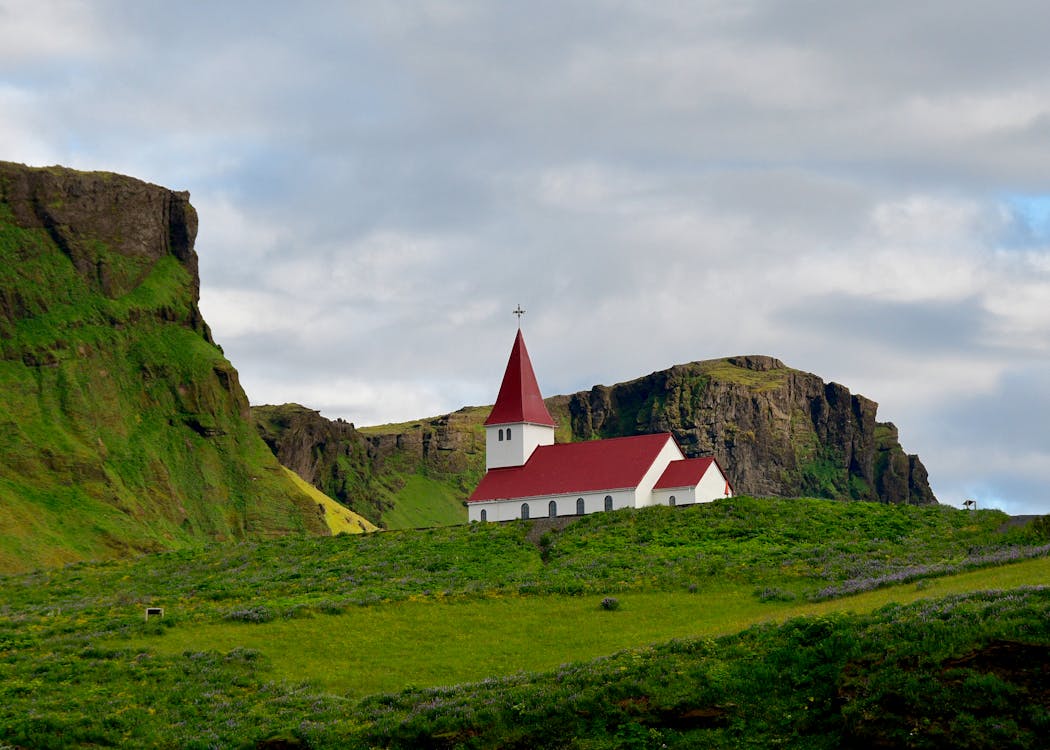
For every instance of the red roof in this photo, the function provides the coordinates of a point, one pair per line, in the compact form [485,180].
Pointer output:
[519,398]
[565,468]
[685,473]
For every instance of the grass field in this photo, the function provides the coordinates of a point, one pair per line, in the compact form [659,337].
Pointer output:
[743,623]
[386,648]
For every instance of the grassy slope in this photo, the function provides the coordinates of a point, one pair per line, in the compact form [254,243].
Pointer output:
[422,642]
[448,604]
[122,428]
[421,493]
[340,519]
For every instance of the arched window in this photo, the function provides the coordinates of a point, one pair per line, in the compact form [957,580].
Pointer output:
[552,509]
[608,502]
[579,506]
[508,433]
[484,515]
[672,501]
[525,511]
[501,434]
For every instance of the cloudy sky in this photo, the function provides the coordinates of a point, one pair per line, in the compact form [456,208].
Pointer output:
[859,189]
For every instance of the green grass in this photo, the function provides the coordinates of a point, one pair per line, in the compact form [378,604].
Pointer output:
[431,643]
[423,502]
[474,636]
[768,380]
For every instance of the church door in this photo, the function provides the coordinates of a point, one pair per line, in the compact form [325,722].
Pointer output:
[552,509]
[525,511]
[579,506]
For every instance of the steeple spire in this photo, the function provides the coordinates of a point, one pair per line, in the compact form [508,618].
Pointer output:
[519,398]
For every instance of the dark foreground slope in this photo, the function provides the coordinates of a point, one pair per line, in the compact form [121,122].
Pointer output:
[777,431]
[122,426]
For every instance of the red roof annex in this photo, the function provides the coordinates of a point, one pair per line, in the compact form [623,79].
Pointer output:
[519,398]
[568,468]
[685,473]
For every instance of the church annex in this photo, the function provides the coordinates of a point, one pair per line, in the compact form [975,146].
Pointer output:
[529,476]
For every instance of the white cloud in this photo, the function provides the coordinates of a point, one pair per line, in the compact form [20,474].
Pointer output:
[35,31]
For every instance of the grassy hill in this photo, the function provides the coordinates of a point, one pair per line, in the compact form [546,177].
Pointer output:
[123,428]
[493,636]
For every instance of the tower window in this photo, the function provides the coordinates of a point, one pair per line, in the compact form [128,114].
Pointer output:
[508,433]
[501,434]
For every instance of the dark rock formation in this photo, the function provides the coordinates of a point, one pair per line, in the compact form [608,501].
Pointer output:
[778,431]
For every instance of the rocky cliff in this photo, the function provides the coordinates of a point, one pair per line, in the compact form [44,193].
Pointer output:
[122,426]
[776,430]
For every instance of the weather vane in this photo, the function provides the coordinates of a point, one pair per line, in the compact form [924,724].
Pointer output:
[519,312]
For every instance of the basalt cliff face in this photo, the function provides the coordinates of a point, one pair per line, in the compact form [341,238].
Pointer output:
[122,426]
[776,430]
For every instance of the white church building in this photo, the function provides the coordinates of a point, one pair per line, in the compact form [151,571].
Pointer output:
[529,476]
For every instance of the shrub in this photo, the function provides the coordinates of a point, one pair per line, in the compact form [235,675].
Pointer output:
[774,594]
[610,603]
[250,614]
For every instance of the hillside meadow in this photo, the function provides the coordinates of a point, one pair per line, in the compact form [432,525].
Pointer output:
[745,622]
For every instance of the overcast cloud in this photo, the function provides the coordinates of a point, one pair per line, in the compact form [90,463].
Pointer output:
[862,190]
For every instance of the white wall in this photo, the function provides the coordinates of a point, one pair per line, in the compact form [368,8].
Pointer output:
[644,494]
[515,450]
[712,486]
[509,510]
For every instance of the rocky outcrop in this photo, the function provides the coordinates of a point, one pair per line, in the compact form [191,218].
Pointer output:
[329,454]
[113,229]
[778,431]
[122,426]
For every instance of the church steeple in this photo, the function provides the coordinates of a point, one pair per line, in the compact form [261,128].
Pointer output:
[519,398]
[519,421]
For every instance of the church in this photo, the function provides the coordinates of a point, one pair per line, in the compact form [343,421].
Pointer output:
[527,475]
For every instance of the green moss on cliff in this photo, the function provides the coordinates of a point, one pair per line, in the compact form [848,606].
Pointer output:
[122,428]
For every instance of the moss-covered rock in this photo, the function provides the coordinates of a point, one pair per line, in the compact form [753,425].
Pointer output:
[122,426]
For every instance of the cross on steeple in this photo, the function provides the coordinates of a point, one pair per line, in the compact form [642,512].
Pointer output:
[519,312]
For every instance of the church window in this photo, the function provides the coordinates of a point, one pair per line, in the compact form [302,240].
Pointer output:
[508,433]
[525,511]
[579,506]
[552,509]
[484,515]
[608,502]
[501,434]
[672,501]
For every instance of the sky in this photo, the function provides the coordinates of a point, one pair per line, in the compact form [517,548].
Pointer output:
[859,189]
